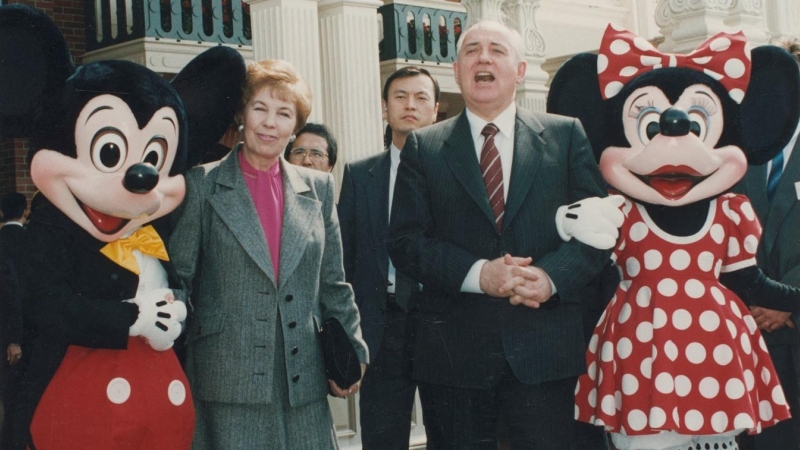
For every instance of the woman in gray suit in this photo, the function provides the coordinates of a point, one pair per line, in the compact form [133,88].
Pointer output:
[258,242]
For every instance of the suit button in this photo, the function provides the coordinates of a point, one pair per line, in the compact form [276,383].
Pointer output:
[296,378]
[199,330]
[114,277]
[289,298]
[292,324]
[294,350]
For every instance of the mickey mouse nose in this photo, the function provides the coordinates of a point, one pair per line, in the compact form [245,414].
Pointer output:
[674,122]
[140,178]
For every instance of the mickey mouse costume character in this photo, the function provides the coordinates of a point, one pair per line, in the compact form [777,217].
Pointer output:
[676,361]
[110,142]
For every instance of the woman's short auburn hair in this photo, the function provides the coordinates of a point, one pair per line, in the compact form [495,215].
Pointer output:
[286,84]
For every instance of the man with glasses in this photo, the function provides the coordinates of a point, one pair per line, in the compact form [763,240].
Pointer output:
[314,147]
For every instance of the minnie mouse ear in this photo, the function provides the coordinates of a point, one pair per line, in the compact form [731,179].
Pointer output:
[34,63]
[211,89]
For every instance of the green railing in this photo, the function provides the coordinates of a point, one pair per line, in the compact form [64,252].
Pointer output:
[110,22]
[417,33]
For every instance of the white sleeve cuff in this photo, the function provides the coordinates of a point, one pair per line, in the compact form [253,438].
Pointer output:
[472,282]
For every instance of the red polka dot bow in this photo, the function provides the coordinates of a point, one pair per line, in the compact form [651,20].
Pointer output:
[623,56]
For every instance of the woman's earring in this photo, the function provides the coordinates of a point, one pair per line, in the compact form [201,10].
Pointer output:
[291,139]
[240,127]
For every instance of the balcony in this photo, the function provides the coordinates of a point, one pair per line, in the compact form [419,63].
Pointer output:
[164,34]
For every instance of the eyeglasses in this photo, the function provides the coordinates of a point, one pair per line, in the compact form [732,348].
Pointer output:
[297,154]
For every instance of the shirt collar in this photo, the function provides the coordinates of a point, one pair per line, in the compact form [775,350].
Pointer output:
[394,154]
[504,121]
[13,222]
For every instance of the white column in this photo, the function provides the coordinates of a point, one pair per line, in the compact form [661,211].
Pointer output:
[783,17]
[289,30]
[351,87]
[532,93]
[478,10]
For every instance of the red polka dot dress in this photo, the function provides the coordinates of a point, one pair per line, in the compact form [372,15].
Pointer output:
[676,350]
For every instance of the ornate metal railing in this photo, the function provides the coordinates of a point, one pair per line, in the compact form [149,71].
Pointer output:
[418,33]
[110,22]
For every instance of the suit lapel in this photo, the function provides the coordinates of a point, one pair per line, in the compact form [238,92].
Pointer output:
[233,205]
[299,212]
[528,149]
[377,186]
[784,200]
[459,152]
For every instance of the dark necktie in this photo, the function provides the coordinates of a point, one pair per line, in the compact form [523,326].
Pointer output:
[774,175]
[492,172]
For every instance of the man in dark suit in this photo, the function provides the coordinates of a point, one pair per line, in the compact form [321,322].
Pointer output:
[499,335]
[383,295]
[774,191]
[13,211]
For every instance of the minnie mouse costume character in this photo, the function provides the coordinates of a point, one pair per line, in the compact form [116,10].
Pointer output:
[110,142]
[676,361]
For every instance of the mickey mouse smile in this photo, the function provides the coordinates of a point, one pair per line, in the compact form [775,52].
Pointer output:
[105,223]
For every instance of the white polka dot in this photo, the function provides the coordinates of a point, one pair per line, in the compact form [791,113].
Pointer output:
[650,60]
[176,392]
[719,421]
[652,259]
[709,387]
[638,231]
[613,89]
[607,353]
[778,396]
[735,308]
[624,348]
[618,400]
[637,420]
[592,398]
[747,210]
[709,321]
[667,287]
[643,297]
[694,288]
[671,350]
[712,74]
[732,328]
[736,94]
[632,266]
[751,244]
[749,380]
[694,420]
[745,341]
[683,385]
[723,354]
[733,247]
[679,259]
[659,318]
[734,68]
[619,47]
[602,63]
[628,71]
[761,344]
[657,417]
[624,285]
[717,233]
[646,367]
[664,383]
[703,60]
[734,389]
[629,384]
[743,421]
[624,313]
[681,319]
[676,417]
[718,295]
[644,332]
[607,405]
[592,370]
[593,343]
[766,375]
[718,268]
[720,44]
[747,49]
[705,261]
[765,410]
[642,44]
[118,390]
[695,353]
[626,207]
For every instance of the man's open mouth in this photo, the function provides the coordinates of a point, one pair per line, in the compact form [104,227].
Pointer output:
[673,182]
[484,76]
[105,223]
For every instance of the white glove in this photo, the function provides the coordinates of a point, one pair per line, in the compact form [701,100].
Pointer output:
[593,221]
[160,317]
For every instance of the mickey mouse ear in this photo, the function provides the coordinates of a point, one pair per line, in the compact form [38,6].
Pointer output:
[34,63]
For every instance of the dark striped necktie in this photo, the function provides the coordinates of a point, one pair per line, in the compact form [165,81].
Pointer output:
[492,172]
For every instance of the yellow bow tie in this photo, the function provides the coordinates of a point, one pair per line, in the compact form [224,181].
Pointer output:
[146,240]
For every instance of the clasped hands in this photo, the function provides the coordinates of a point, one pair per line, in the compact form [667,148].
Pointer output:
[515,278]
[160,317]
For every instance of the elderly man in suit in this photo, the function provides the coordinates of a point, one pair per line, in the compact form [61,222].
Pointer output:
[410,101]
[499,337]
[774,191]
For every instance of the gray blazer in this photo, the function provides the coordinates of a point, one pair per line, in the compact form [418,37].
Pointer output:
[219,250]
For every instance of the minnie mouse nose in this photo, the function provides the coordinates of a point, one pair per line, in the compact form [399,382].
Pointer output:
[674,122]
[140,178]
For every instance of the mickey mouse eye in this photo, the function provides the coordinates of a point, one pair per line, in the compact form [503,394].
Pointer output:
[156,152]
[109,150]
[699,125]
[648,126]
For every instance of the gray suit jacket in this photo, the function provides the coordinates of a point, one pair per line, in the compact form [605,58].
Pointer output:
[442,224]
[778,253]
[219,249]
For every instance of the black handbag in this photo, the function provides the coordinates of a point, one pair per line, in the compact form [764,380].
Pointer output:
[341,360]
